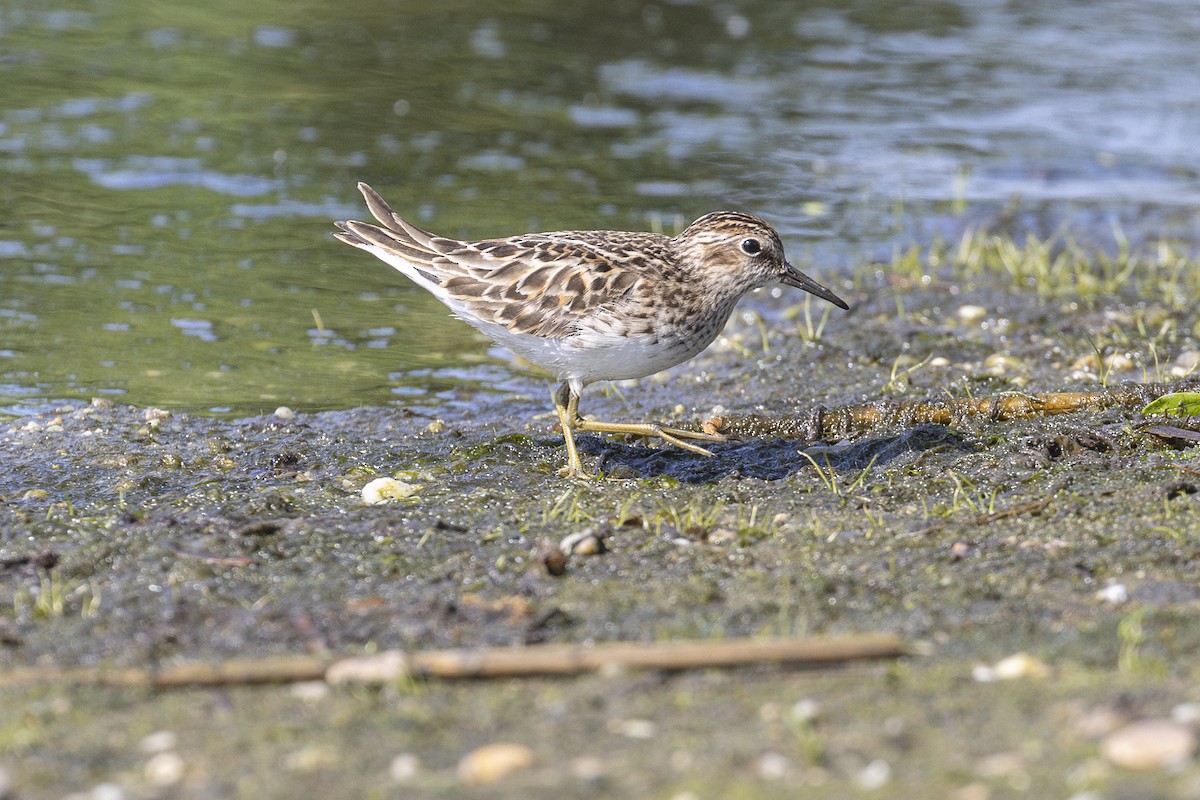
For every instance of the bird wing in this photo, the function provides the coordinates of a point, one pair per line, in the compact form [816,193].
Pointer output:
[542,284]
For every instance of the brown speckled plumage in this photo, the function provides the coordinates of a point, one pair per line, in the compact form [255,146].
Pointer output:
[591,305]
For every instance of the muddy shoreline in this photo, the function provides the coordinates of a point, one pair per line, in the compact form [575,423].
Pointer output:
[136,536]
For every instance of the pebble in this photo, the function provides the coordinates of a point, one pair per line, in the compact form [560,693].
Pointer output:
[283,412]
[164,769]
[589,769]
[806,710]
[999,364]
[635,728]
[971,314]
[773,766]
[582,543]
[310,691]
[1114,593]
[1018,665]
[157,742]
[1186,713]
[311,758]
[1119,362]
[1185,364]
[1149,744]
[874,775]
[384,490]
[404,767]
[493,762]
[107,791]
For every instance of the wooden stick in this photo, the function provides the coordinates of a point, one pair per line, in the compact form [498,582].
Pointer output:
[837,423]
[573,659]
[488,662]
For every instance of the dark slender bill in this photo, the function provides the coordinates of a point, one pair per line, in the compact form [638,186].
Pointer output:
[796,278]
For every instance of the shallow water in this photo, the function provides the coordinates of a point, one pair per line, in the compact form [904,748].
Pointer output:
[170,173]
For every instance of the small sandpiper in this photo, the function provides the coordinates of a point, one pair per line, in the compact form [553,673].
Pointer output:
[592,305]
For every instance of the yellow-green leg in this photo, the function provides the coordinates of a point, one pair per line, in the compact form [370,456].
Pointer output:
[566,405]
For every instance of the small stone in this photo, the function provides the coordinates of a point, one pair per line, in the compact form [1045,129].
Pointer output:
[164,769]
[806,710]
[312,758]
[582,543]
[998,365]
[404,767]
[773,766]
[971,314]
[999,765]
[283,412]
[493,762]
[972,791]
[107,791]
[1114,593]
[874,775]
[1119,362]
[1018,665]
[1149,744]
[1187,363]
[1186,713]
[157,742]
[635,728]
[589,769]
[384,490]
[437,426]
[309,691]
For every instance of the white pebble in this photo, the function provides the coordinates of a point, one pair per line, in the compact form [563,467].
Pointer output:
[310,691]
[164,769]
[971,314]
[1187,363]
[1114,593]
[404,767]
[1149,744]
[875,775]
[492,762]
[636,728]
[773,766]
[806,710]
[157,742]
[283,412]
[1018,665]
[1186,713]
[383,490]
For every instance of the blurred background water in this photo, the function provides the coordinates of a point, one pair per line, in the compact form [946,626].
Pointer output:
[169,171]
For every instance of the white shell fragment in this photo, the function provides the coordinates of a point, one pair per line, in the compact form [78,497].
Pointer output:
[385,490]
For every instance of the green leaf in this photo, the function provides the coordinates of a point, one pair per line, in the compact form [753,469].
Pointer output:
[1177,404]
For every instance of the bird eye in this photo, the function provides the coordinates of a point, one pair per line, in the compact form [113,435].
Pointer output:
[751,247]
